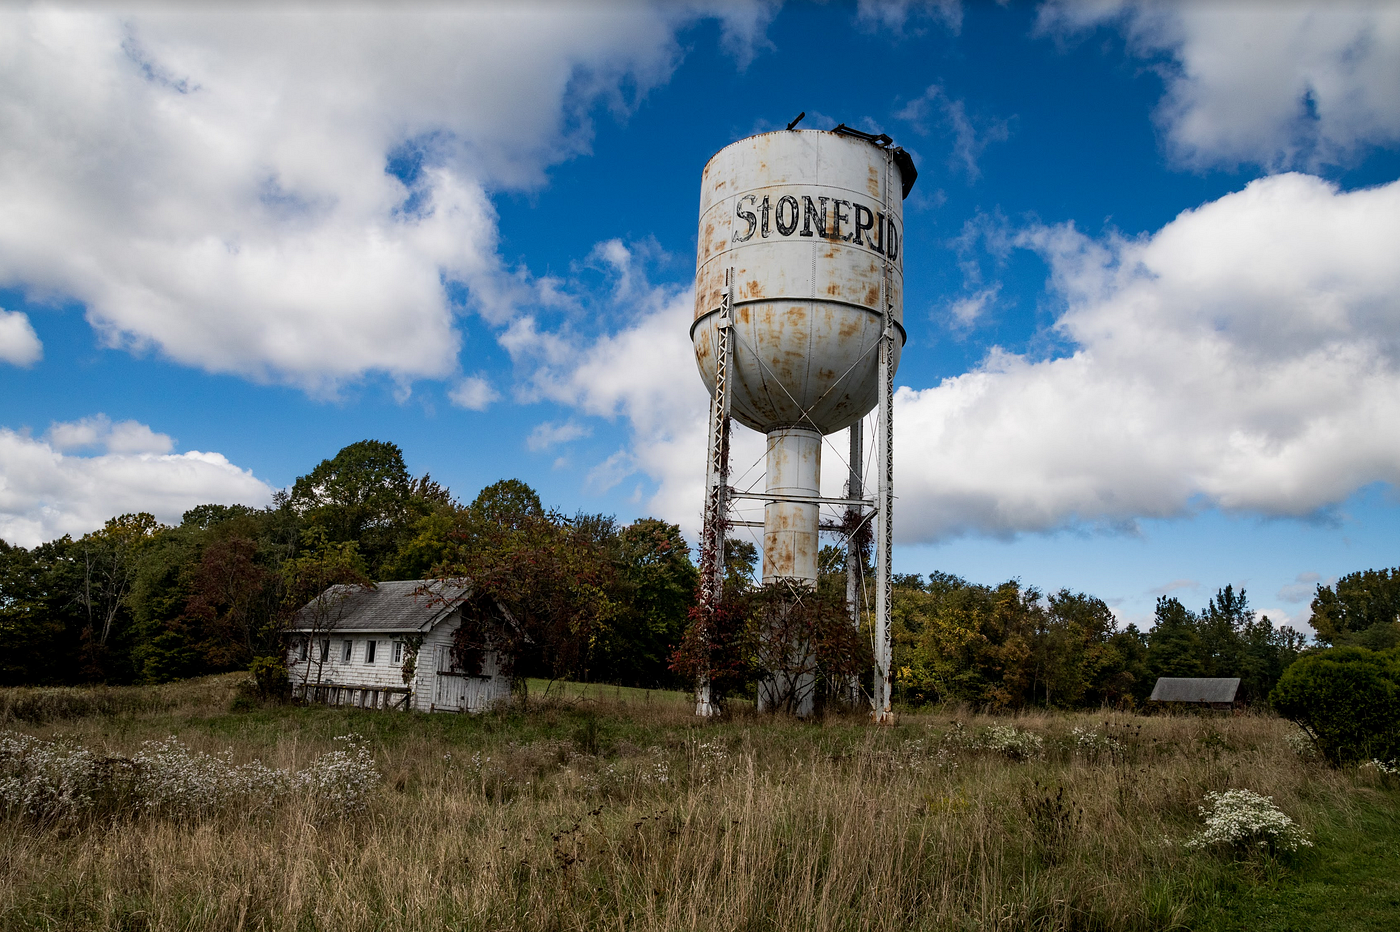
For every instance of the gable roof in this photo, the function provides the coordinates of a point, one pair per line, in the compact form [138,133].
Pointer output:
[407,605]
[1195,689]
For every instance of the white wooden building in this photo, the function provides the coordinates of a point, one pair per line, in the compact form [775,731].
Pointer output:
[389,646]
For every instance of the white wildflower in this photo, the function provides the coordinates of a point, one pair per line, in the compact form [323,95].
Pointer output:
[1012,742]
[56,779]
[1245,819]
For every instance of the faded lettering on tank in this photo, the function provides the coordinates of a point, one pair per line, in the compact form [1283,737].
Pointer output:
[835,220]
[868,221]
[812,217]
[786,227]
[747,216]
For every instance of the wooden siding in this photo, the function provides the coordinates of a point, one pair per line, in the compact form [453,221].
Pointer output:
[433,687]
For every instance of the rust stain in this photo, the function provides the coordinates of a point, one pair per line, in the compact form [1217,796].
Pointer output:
[873,183]
[872,295]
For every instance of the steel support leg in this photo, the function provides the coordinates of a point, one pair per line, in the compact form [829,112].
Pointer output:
[716,503]
[855,488]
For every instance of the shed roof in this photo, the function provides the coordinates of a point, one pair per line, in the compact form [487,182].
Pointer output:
[404,605]
[1195,689]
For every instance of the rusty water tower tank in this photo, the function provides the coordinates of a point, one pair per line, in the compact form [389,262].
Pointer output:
[807,227]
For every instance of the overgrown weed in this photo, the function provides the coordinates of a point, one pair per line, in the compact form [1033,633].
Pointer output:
[604,813]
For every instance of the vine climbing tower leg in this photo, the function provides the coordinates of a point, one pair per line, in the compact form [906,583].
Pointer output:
[716,504]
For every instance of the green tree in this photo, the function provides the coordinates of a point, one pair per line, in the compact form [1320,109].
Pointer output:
[1347,699]
[967,642]
[543,587]
[1174,646]
[39,616]
[657,586]
[315,584]
[110,563]
[1362,608]
[363,495]
[1075,662]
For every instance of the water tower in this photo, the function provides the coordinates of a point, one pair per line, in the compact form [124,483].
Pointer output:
[798,330]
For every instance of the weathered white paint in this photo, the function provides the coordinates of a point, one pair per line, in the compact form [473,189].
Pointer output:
[433,686]
[807,286]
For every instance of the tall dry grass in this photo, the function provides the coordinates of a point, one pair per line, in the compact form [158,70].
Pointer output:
[634,817]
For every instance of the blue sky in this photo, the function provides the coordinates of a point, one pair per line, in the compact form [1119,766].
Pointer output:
[1151,295]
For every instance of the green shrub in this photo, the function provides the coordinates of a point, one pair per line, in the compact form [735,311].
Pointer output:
[270,680]
[1347,699]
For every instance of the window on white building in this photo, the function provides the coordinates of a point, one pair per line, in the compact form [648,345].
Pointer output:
[398,652]
[325,649]
[345,648]
[303,649]
[369,651]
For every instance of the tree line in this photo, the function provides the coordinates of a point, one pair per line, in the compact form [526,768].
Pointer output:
[590,598]
[142,602]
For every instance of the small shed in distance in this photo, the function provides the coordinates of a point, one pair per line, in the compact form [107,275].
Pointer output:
[1213,691]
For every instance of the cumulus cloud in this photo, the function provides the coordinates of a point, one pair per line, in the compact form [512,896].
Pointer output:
[966,311]
[935,109]
[1280,85]
[1246,356]
[551,434]
[1302,589]
[475,393]
[643,374]
[98,431]
[895,15]
[19,344]
[289,194]
[46,492]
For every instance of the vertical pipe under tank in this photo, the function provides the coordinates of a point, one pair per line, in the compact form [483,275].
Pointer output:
[790,543]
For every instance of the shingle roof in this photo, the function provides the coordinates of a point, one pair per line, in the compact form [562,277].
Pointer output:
[404,605]
[1195,689]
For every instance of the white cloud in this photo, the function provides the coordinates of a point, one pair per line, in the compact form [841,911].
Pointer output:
[646,374]
[475,393]
[99,431]
[551,434]
[935,107]
[19,344]
[611,471]
[1246,356]
[744,29]
[46,492]
[966,311]
[894,15]
[1176,585]
[1285,84]
[212,183]
[1302,589]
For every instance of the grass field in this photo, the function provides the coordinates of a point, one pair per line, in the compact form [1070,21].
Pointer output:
[597,808]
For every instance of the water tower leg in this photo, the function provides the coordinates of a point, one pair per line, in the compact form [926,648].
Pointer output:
[855,488]
[716,503]
[884,540]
